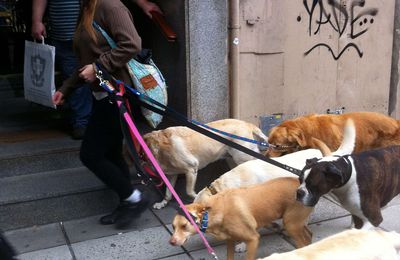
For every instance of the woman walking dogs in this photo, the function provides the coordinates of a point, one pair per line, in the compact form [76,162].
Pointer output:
[101,149]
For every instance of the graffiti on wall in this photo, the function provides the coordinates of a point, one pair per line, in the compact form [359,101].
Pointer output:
[341,16]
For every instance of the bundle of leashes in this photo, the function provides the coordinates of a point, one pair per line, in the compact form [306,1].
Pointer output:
[117,97]
[130,130]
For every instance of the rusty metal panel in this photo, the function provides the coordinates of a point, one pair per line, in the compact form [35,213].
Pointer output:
[262,26]
[364,68]
[336,53]
[261,85]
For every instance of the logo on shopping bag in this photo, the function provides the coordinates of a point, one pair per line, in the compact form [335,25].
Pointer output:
[38,65]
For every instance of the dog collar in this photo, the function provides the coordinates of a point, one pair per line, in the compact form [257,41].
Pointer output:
[212,189]
[347,172]
[204,222]
[283,147]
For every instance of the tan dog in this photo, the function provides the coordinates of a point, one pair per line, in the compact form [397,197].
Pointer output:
[236,214]
[180,150]
[350,244]
[374,130]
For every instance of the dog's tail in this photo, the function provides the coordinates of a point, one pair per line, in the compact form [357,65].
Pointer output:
[349,139]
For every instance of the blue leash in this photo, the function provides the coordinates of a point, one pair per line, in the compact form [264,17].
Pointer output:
[157,107]
[137,93]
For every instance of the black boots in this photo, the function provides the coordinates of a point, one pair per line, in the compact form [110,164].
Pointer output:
[125,212]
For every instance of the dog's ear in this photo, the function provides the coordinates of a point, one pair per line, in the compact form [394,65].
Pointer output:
[196,210]
[333,170]
[311,161]
[298,135]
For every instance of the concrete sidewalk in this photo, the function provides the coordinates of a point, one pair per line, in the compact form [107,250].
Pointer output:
[147,238]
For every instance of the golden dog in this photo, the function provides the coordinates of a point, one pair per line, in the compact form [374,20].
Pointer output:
[180,150]
[236,214]
[374,130]
[349,244]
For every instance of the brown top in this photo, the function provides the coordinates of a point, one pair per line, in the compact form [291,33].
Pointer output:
[117,21]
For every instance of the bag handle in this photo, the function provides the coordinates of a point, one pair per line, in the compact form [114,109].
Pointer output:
[41,38]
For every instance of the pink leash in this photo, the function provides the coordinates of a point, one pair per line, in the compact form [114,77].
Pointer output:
[164,178]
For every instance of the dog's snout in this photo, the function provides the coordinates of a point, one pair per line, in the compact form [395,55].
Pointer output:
[172,241]
[300,194]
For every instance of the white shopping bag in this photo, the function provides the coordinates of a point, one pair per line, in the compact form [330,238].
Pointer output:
[39,73]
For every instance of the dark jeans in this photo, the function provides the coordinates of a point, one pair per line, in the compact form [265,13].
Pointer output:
[80,100]
[101,150]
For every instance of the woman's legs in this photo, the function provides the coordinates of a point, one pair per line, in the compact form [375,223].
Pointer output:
[101,149]
[101,152]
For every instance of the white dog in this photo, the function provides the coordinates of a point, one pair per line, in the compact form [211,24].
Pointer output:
[180,150]
[257,171]
[352,244]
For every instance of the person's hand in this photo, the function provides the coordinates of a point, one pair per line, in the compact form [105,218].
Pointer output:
[87,73]
[38,30]
[148,7]
[58,98]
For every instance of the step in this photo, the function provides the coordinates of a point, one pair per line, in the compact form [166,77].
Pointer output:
[56,209]
[42,185]
[18,114]
[52,196]
[41,155]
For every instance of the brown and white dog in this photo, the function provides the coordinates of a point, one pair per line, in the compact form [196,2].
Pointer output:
[349,244]
[236,214]
[180,150]
[363,183]
[374,130]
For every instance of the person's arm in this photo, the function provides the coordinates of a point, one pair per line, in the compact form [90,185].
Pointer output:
[118,24]
[38,29]
[147,6]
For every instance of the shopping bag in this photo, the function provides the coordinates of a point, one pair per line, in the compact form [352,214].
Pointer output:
[149,81]
[39,84]
[146,78]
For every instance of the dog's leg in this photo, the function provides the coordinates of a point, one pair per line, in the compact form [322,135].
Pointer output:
[230,249]
[295,223]
[252,246]
[191,176]
[298,233]
[168,195]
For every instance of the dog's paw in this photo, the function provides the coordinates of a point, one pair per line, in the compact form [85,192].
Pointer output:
[240,248]
[160,205]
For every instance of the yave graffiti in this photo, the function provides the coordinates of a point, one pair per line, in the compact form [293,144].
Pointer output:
[341,16]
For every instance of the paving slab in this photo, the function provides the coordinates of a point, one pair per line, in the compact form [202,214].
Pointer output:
[143,245]
[391,218]
[326,209]
[167,214]
[37,237]
[90,228]
[269,244]
[55,253]
[329,227]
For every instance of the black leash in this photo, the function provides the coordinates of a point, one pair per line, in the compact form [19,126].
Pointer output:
[161,109]
[183,120]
